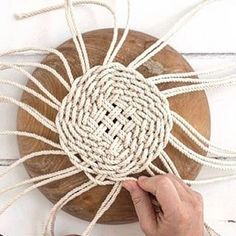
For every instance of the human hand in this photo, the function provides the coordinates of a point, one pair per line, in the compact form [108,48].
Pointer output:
[181,212]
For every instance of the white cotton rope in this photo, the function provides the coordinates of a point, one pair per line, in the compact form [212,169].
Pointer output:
[110,199]
[33,112]
[41,66]
[46,68]
[226,82]
[180,77]
[113,50]
[200,140]
[49,226]
[30,156]
[122,40]
[33,136]
[32,92]
[41,51]
[33,79]
[77,36]
[113,123]
[37,179]
[161,43]
[35,186]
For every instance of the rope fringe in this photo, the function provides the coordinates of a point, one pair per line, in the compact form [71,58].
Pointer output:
[115,119]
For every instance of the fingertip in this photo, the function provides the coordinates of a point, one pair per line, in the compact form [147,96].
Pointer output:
[143,205]
[130,185]
[142,180]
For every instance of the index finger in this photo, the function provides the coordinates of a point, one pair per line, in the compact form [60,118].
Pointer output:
[164,190]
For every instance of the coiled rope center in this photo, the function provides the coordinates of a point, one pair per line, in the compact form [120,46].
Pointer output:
[113,123]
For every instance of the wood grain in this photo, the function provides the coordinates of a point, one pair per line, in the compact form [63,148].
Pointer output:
[193,107]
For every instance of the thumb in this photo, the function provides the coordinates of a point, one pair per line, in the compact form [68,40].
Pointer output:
[143,207]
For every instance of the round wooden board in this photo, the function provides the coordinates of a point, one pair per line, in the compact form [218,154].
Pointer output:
[193,107]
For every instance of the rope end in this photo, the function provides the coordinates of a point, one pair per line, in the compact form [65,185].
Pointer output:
[20,16]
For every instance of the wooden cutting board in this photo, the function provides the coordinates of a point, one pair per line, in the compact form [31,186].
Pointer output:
[193,107]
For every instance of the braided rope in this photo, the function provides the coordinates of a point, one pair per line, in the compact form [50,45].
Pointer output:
[113,122]
[111,118]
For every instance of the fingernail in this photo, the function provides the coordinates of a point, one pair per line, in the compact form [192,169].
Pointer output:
[129,185]
[142,178]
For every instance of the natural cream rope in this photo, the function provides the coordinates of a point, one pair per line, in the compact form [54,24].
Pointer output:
[49,226]
[113,50]
[32,78]
[111,197]
[108,102]
[161,43]
[41,51]
[30,91]
[39,178]
[114,119]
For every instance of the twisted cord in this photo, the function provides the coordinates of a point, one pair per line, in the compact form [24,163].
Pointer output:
[38,178]
[210,180]
[48,69]
[21,16]
[33,112]
[49,226]
[35,186]
[33,79]
[168,162]
[41,51]
[211,231]
[28,157]
[113,50]
[181,77]
[122,40]
[201,141]
[31,135]
[76,33]
[114,123]
[110,199]
[32,92]
[152,168]
[218,83]
[209,162]
[77,36]
[161,43]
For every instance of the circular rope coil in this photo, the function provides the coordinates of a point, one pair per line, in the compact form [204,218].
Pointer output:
[113,123]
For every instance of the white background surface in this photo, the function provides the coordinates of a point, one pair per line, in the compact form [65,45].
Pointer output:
[212,30]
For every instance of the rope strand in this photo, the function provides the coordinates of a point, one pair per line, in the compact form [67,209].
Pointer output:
[161,43]
[49,227]
[32,92]
[117,121]
[28,157]
[41,51]
[35,186]
[31,135]
[110,199]
[34,113]
[32,78]
[37,179]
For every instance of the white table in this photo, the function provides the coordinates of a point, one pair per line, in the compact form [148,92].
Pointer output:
[212,31]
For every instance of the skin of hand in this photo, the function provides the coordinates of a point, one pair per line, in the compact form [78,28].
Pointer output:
[181,211]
